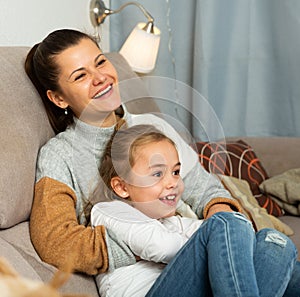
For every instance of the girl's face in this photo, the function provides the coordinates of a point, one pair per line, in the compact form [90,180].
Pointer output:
[155,185]
[88,81]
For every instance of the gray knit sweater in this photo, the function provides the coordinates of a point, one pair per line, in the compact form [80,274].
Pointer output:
[73,157]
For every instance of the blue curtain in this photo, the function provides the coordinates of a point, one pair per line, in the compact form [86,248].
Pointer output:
[241,59]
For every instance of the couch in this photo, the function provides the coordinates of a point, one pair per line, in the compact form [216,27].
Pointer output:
[25,128]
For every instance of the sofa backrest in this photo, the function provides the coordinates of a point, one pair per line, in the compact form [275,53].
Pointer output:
[25,128]
[276,154]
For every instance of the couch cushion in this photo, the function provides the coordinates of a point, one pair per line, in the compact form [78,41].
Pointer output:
[16,247]
[24,128]
[285,190]
[239,160]
[16,260]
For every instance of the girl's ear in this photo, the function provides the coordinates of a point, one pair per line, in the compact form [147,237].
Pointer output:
[119,187]
[57,99]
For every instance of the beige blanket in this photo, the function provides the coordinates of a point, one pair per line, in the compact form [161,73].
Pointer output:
[285,190]
[240,190]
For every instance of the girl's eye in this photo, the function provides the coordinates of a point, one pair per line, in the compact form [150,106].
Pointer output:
[176,172]
[157,174]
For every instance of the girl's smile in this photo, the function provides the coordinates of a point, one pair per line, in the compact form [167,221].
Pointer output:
[154,185]
[169,199]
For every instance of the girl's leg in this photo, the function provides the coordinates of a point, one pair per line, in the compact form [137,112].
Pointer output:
[219,255]
[230,247]
[225,249]
[293,289]
[186,274]
[274,260]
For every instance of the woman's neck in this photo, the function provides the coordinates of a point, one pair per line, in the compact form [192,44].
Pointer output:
[101,119]
[110,120]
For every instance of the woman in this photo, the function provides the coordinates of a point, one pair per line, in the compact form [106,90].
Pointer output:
[79,88]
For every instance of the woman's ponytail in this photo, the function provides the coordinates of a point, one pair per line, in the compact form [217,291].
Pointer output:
[43,71]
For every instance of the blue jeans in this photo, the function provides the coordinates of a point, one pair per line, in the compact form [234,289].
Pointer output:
[225,257]
[293,289]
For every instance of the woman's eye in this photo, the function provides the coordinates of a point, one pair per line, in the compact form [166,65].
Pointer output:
[79,76]
[101,62]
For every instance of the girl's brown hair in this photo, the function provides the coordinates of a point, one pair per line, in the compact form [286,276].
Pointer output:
[120,152]
[43,71]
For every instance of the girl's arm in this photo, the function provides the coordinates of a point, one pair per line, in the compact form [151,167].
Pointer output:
[146,237]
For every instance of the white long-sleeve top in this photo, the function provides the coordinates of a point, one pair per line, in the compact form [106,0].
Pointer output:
[155,241]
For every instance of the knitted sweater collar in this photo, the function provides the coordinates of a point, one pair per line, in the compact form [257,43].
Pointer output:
[90,132]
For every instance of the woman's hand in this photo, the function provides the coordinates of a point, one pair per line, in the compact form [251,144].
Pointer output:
[218,208]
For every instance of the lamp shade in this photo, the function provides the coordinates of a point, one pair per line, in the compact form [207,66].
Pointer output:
[141,48]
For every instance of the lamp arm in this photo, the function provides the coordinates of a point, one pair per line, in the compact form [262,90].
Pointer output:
[98,13]
[141,7]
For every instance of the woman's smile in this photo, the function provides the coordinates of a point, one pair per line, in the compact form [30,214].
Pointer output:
[105,91]
[87,77]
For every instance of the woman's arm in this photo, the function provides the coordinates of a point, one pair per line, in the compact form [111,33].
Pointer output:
[57,235]
[146,237]
[204,191]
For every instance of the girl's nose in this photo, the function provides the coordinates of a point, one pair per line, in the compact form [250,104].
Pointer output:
[171,181]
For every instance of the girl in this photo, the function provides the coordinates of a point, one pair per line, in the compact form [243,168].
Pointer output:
[145,173]
[141,166]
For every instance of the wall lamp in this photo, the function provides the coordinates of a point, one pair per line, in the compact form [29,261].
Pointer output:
[141,47]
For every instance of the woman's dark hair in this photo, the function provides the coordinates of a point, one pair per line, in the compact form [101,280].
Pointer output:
[43,71]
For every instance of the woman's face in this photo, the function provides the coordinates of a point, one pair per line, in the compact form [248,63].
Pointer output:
[155,185]
[87,80]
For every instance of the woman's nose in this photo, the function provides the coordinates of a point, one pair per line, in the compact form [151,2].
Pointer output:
[98,78]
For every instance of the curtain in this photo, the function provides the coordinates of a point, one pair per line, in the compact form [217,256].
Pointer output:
[232,67]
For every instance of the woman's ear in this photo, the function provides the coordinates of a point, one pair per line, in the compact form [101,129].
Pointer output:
[57,99]
[119,187]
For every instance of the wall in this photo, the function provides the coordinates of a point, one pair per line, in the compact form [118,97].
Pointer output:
[26,22]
